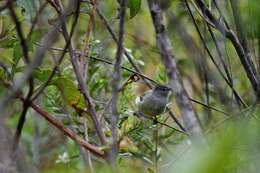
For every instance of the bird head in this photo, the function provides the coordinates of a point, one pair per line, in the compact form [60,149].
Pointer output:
[162,90]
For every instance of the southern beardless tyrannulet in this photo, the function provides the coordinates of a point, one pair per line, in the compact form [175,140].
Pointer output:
[153,102]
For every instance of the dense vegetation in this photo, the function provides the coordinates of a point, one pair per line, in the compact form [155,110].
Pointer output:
[70,72]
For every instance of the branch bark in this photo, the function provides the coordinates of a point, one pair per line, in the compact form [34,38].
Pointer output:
[115,84]
[135,66]
[85,51]
[188,113]
[73,58]
[244,57]
[68,132]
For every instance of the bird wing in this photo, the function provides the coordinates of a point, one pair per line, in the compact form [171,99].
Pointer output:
[142,97]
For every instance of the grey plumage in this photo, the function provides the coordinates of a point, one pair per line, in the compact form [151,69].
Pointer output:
[153,102]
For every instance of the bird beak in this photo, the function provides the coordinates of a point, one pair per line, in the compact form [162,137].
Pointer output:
[170,89]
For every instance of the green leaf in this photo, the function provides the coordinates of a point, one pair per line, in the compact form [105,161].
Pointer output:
[36,35]
[17,53]
[65,85]
[6,56]
[7,32]
[42,74]
[2,74]
[134,6]
[71,92]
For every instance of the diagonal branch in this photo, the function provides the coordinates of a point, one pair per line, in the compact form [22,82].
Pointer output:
[116,82]
[135,66]
[139,74]
[73,58]
[18,27]
[112,33]
[85,51]
[188,113]
[245,58]
[66,130]
[37,58]
[24,46]
[239,26]
[227,78]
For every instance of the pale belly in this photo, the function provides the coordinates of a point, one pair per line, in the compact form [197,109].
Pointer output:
[153,107]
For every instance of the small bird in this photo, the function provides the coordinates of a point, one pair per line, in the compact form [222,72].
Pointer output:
[153,102]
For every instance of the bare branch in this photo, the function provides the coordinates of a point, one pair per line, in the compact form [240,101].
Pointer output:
[188,113]
[73,57]
[135,66]
[245,58]
[19,31]
[85,51]
[115,84]
[239,27]
[66,130]
[110,30]
[227,79]
[37,58]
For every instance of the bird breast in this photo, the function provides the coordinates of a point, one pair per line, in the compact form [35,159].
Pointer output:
[152,105]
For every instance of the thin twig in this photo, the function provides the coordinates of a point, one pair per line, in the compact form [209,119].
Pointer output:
[110,30]
[245,58]
[60,59]
[147,78]
[195,53]
[135,66]
[115,84]
[24,46]
[66,130]
[239,26]
[164,124]
[191,121]
[73,58]
[87,155]
[19,31]
[37,57]
[36,20]
[83,64]
[209,107]
[236,94]
[105,61]
[156,141]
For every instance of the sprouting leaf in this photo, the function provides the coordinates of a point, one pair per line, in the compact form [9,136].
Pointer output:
[134,6]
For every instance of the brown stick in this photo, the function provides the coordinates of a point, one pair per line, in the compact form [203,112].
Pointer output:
[115,84]
[67,131]
[188,113]
[83,64]
[73,58]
